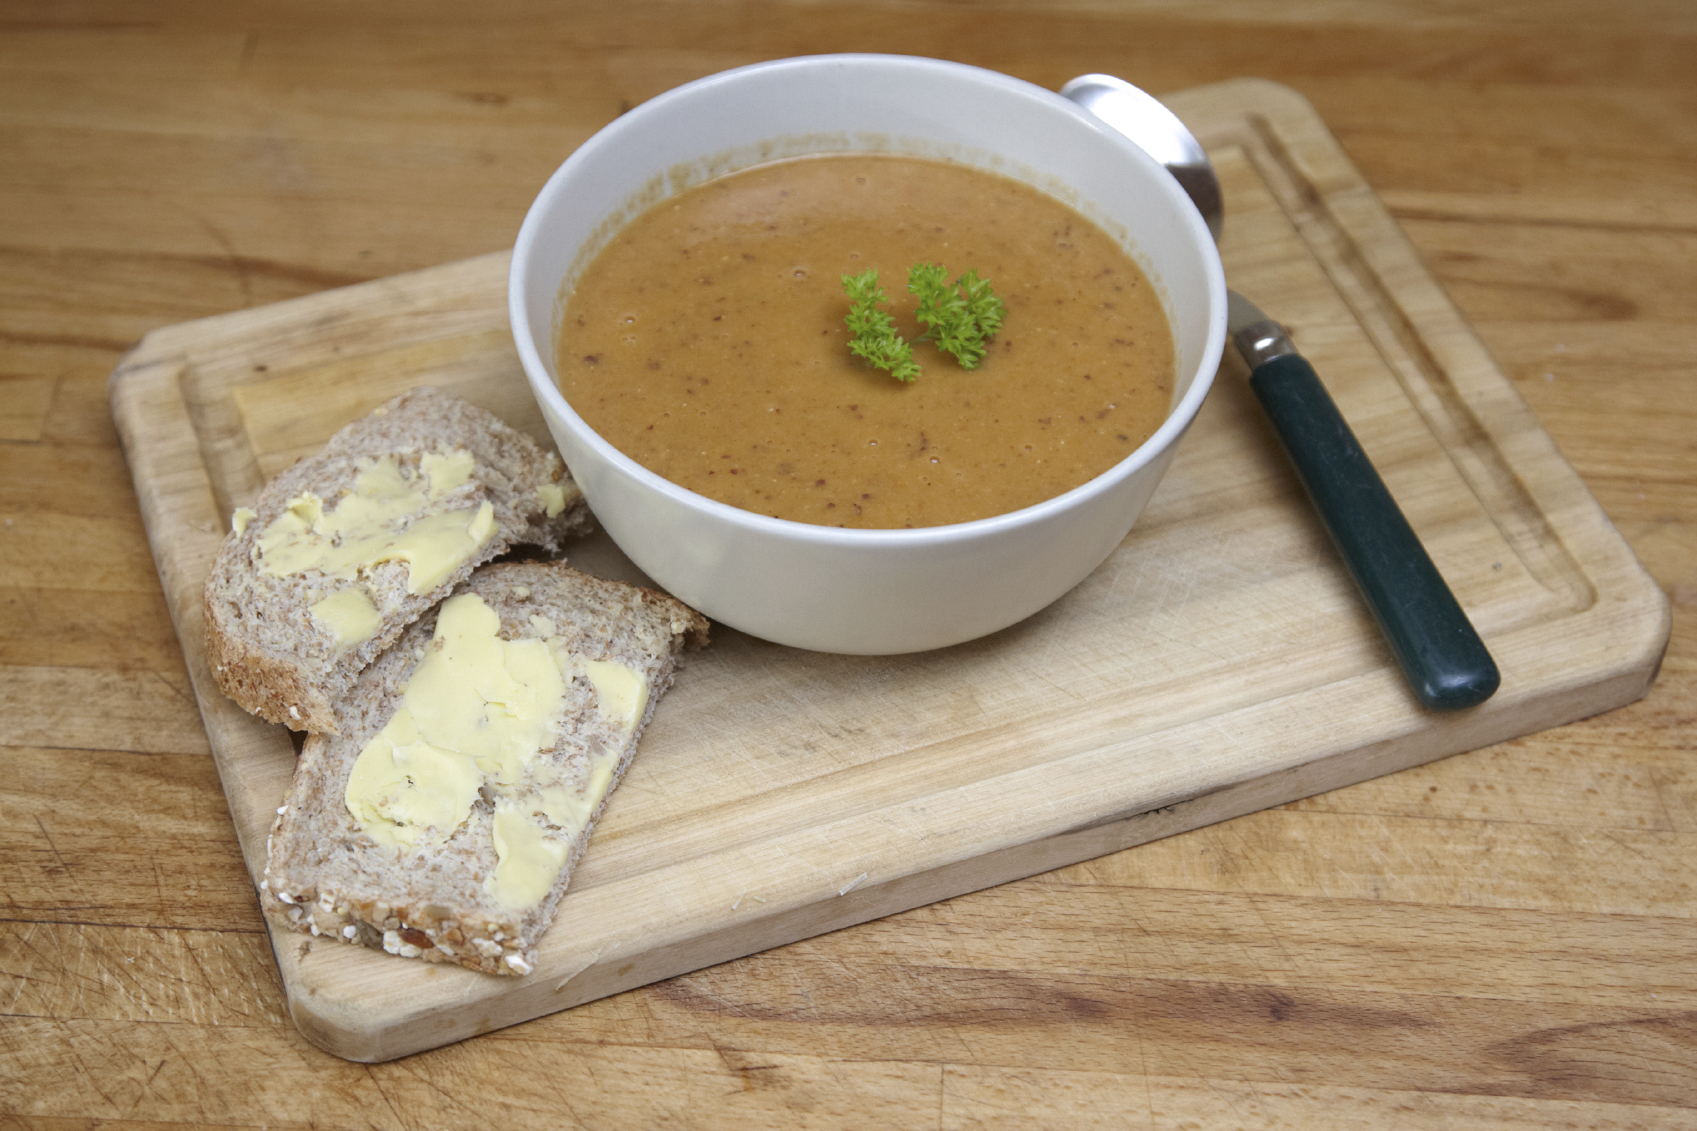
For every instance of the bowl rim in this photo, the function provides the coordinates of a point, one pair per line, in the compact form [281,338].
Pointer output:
[1179,416]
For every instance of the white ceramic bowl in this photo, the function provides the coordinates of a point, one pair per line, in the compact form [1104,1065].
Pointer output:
[827,588]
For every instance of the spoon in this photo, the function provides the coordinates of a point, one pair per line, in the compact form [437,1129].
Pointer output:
[1445,661]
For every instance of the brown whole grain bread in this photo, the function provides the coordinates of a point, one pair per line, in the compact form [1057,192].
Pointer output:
[267,650]
[328,873]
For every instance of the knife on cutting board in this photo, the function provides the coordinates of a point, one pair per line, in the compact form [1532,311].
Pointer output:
[1437,647]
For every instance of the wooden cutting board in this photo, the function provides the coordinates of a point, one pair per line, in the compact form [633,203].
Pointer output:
[1219,662]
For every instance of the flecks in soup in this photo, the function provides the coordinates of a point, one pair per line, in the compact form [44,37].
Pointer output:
[707,342]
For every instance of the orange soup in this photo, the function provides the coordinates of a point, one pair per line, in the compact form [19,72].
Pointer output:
[707,342]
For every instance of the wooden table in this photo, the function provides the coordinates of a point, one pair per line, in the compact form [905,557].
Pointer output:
[1505,938]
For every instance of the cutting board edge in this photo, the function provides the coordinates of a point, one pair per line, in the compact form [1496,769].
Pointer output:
[337,1026]
[322,1025]
[1394,271]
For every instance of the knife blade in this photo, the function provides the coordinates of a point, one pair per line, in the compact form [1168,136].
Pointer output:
[1442,655]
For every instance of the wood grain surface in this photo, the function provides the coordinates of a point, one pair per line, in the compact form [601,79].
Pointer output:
[1217,663]
[1501,939]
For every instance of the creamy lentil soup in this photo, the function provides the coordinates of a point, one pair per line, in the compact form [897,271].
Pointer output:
[707,343]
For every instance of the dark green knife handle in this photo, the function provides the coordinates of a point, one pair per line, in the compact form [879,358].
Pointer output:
[1436,645]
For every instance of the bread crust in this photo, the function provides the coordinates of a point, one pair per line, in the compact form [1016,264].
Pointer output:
[326,876]
[270,688]
[265,649]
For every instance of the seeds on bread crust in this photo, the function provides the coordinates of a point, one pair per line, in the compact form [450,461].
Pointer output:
[384,841]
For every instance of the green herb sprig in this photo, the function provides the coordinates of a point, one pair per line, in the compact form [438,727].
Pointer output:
[875,337]
[959,318]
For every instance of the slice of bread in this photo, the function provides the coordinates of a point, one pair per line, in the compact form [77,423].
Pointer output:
[429,486]
[424,828]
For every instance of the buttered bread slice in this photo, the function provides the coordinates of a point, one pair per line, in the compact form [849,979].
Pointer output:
[343,550]
[444,822]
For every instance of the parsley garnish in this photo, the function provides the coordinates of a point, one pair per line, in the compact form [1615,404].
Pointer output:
[875,336]
[959,317]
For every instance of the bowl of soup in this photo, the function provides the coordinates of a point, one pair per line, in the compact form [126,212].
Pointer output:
[701,291]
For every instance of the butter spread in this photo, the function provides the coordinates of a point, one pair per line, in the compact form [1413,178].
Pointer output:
[350,616]
[552,498]
[379,521]
[621,691]
[240,518]
[477,714]
[528,858]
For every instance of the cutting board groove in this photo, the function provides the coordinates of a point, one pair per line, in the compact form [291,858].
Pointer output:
[1216,664]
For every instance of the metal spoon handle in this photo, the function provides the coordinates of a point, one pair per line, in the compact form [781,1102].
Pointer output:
[1434,642]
